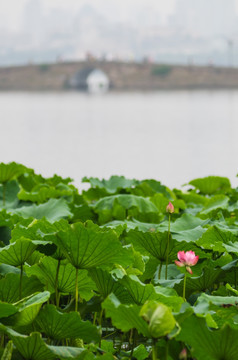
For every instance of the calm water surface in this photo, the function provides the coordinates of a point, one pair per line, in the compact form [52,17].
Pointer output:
[171,136]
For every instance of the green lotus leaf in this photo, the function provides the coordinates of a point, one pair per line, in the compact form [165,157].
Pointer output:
[231,247]
[8,269]
[168,297]
[46,271]
[37,229]
[203,282]
[121,206]
[189,235]
[217,239]
[138,291]
[7,219]
[204,302]
[125,317]
[209,344]
[58,326]
[8,195]
[139,352]
[160,202]
[66,352]
[196,283]
[7,309]
[30,180]
[107,346]
[217,202]
[160,318]
[211,184]
[151,265]
[11,171]
[226,225]
[53,210]
[155,244]
[149,243]
[151,187]
[128,225]
[225,315]
[34,348]
[28,309]
[82,212]
[9,287]
[128,289]
[113,185]
[106,284]
[7,354]
[188,228]
[191,198]
[36,256]
[18,252]
[137,265]
[187,222]
[87,246]
[41,230]
[43,192]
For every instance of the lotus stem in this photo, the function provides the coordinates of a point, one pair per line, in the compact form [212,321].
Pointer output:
[47,289]
[167,349]
[167,250]
[20,285]
[100,324]
[76,290]
[154,350]
[4,194]
[235,278]
[184,286]
[133,336]
[121,341]
[94,318]
[2,340]
[56,284]
[160,268]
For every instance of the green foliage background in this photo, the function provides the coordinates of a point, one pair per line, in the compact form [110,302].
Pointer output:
[82,275]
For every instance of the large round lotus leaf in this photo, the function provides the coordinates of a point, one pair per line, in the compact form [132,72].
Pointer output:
[10,171]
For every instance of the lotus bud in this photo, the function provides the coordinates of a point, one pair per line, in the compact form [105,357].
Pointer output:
[183,354]
[170,208]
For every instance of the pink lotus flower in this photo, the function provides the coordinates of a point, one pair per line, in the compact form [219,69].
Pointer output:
[170,208]
[187,259]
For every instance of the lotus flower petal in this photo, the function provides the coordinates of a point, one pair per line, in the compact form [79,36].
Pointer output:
[181,256]
[178,263]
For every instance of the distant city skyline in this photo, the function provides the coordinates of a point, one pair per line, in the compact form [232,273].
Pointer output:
[175,31]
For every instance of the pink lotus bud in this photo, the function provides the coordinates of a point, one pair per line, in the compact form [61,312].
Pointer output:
[183,354]
[187,259]
[170,208]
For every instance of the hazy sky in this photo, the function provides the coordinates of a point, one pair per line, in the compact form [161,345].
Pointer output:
[40,30]
[11,11]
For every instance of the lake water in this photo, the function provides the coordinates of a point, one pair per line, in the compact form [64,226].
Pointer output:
[170,136]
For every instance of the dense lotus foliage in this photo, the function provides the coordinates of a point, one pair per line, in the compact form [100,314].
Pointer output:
[106,273]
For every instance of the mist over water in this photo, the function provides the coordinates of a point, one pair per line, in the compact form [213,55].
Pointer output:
[170,136]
